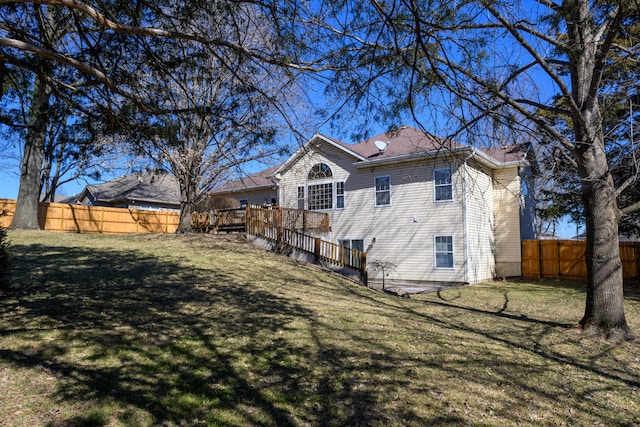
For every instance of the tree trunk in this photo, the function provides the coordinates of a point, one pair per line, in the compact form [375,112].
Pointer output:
[604,312]
[187,195]
[26,214]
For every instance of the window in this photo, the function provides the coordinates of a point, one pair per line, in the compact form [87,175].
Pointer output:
[320,196]
[443,184]
[383,190]
[244,203]
[339,195]
[301,197]
[444,251]
[321,170]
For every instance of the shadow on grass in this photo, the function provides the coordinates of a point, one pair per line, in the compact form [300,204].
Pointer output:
[151,333]
[631,286]
[142,336]
[151,336]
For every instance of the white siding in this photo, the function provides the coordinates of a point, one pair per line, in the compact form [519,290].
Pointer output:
[401,234]
[507,222]
[297,174]
[480,217]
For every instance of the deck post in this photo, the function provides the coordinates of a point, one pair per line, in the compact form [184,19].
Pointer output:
[316,248]
[636,256]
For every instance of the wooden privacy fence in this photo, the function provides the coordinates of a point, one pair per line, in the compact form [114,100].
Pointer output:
[267,224]
[565,258]
[95,219]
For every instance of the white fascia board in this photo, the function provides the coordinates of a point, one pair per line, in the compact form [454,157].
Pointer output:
[487,160]
[471,152]
[305,148]
[408,158]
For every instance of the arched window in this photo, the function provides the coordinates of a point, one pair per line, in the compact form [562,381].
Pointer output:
[321,170]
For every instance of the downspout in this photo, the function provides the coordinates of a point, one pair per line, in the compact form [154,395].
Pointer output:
[464,217]
[276,181]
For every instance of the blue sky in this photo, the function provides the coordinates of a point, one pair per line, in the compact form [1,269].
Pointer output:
[9,180]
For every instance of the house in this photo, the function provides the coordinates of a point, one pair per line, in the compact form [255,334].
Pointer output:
[146,191]
[429,210]
[258,189]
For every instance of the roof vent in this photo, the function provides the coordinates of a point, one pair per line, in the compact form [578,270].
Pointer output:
[381,145]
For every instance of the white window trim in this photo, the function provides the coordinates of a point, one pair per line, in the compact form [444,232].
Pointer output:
[435,185]
[435,252]
[334,191]
[333,194]
[375,191]
[344,195]
[304,197]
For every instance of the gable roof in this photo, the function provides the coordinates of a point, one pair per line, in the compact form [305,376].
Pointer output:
[150,187]
[403,144]
[318,137]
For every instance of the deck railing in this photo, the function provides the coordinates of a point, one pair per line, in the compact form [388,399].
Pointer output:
[219,220]
[292,219]
[277,225]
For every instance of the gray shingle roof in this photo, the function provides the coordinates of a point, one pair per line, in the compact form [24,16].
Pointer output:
[257,180]
[147,186]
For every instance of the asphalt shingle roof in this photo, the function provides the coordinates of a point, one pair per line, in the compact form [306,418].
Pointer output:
[146,186]
[260,179]
[405,141]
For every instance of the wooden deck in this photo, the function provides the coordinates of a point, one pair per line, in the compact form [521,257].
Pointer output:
[288,227]
[228,220]
[236,219]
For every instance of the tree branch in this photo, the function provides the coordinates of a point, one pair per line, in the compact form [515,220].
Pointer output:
[631,208]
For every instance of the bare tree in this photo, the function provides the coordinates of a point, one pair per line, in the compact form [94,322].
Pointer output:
[225,125]
[105,49]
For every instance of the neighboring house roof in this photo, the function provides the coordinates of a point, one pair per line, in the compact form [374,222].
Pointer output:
[64,199]
[263,179]
[149,187]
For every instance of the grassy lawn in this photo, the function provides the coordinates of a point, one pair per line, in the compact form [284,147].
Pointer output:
[163,330]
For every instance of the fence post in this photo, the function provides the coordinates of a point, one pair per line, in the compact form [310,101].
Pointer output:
[61,217]
[539,259]
[558,254]
[101,228]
